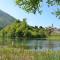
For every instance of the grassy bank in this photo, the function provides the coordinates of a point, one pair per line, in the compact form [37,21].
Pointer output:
[54,37]
[21,54]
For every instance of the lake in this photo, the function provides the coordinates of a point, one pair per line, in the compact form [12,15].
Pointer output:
[37,45]
[42,45]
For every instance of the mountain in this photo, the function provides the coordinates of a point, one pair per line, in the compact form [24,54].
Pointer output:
[5,19]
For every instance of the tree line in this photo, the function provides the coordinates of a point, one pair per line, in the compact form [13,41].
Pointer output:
[22,30]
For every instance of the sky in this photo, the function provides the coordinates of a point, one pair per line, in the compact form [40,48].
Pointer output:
[45,20]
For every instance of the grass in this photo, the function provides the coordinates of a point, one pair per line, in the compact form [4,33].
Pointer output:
[23,54]
[54,37]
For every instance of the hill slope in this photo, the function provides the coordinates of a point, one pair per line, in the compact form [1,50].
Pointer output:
[5,19]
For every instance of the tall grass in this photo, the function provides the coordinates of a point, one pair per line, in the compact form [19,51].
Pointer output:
[23,54]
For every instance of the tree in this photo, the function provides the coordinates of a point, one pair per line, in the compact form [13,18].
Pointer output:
[29,5]
[32,6]
[21,29]
[23,25]
[42,33]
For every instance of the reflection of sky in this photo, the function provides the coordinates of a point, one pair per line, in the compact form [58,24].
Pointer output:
[46,19]
[43,45]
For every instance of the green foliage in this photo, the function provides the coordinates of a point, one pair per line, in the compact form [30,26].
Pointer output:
[42,34]
[53,2]
[29,5]
[33,6]
[22,30]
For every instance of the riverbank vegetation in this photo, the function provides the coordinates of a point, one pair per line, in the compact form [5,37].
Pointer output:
[23,31]
[21,54]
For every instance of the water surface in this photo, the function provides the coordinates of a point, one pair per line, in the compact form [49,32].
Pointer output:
[38,45]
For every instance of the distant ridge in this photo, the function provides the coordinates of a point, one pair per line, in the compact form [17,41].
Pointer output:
[5,19]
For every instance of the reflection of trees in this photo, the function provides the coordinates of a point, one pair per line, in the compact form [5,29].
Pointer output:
[38,44]
[50,45]
[14,42]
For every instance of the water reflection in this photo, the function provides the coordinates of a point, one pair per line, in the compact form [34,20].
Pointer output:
[38,45]
[42,44]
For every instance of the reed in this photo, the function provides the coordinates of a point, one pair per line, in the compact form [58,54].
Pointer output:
[24,54]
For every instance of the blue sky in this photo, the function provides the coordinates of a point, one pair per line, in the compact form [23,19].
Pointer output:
[46,19]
